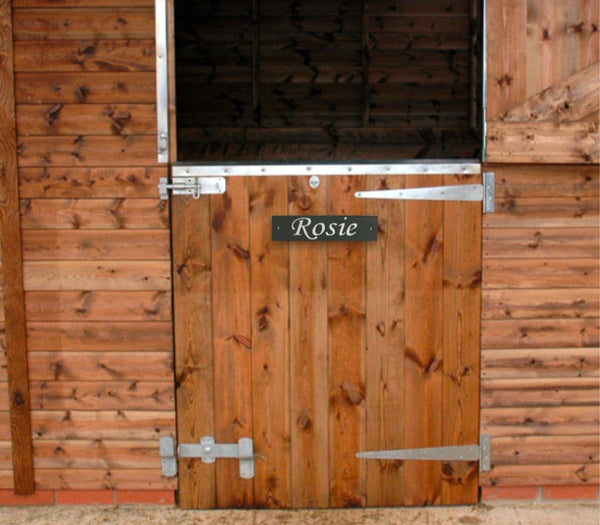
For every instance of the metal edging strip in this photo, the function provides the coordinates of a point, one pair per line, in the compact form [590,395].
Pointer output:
[484,84]
[438,167]
[162,81]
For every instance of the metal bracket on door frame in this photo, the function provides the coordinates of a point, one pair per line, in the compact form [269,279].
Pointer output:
[208,451]
[481,453]
[194,186]
[484,192]
[162,81]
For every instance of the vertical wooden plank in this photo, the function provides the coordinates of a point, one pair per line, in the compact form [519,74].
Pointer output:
[365,60]
[589,38]
[193,344]
[423,352]
[256,61]
[309,378]
[461,328]
[567,18]
[270,355]
[475,36]
[385,346]
[542,44]
[10,239]
[232,336]
[506,55]
[346,347]
[172,80]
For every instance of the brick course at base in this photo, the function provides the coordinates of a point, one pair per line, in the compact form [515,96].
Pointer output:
[570,492]
[548,492]
[508,493]
[167,497]
[89,497]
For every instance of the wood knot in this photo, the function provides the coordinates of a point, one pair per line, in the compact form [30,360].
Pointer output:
[262,322]
[239,252]
[304,202]
[243,341]
[52,113]
[304,421]
[18,399]
[351,393]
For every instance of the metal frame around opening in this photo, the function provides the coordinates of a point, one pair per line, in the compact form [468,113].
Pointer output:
[162,81]
[420,167]
[395,168]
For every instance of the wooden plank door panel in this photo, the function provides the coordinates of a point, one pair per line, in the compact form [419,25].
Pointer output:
[346,318]
[423,352]
[461,343]
[194,372]
[309,383]
[232,336]
[320,350]
[269,275]
[384,359]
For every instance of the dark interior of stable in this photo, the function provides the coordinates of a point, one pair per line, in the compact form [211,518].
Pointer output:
[327,80]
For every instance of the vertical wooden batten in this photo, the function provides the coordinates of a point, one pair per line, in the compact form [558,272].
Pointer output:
[10,237]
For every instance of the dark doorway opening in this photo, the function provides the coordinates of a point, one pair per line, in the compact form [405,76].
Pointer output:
[328,80]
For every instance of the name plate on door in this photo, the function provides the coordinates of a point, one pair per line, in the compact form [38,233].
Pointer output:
[324,228]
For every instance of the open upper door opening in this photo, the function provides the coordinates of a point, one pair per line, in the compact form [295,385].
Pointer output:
[327,80]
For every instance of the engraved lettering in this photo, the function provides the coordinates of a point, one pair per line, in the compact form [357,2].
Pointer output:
[325,227]
[299,227]
[351,231]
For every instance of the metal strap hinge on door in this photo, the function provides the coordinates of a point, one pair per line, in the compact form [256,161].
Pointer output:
[466,192]
[479,453]
[194,186]
[208,451]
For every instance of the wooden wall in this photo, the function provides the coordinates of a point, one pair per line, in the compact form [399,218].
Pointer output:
[540,327]
[96,250]
[97,269]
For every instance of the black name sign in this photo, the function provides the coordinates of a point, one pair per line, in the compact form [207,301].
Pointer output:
[324,228]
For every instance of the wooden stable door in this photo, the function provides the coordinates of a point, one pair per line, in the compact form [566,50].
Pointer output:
[320,350]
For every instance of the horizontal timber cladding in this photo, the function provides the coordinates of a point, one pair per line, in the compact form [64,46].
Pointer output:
[97,247]
[540,326]
[326,80]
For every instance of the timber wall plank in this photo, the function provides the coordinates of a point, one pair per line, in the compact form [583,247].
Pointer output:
[15,340]
[96,248]
[540,326]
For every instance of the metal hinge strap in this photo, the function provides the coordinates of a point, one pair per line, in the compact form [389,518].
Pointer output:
[194,186]
[208,451]
[479,453]
[464,192]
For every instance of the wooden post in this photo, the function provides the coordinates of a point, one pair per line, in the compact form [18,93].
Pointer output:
[10,237]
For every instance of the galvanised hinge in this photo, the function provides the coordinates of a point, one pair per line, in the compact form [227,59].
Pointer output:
[479,453]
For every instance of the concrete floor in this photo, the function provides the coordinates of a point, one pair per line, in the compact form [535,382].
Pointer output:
[499,514]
